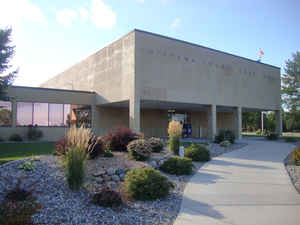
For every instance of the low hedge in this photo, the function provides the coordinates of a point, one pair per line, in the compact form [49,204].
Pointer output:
[178,166]
[146,184]
[197,153]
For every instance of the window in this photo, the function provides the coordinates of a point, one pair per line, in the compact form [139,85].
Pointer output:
[44,114]
[56,115]
[24,113]
[40,114]
[5,113]
[67,114]
[77,115]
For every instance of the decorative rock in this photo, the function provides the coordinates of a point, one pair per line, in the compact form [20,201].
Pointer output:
[99,180]
[106,178]
[115,178]
[119,171]
[122,176]
[113,185]
[99,173]
[153,164]
[111,171]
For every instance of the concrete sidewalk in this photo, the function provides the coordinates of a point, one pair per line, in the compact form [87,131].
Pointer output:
[249,186]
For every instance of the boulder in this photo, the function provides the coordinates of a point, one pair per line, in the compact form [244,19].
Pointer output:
[111,171]
[99,173]
[115,178]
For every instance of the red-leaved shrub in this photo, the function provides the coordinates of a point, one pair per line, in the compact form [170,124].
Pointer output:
[119,139]
[61,147]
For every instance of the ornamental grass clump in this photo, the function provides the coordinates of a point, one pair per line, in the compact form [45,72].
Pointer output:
[76,156]
[75,167]
[174,131]
[78,137]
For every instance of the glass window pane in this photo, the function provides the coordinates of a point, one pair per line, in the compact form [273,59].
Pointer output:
[5,113]
[24,113]
[67,115]
[81,115]
[40,114]
[56,115]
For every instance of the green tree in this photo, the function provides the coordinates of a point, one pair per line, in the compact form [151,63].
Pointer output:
[7,73]
[291,82]
[251,121]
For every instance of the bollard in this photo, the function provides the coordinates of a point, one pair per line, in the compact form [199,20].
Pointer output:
[181,151]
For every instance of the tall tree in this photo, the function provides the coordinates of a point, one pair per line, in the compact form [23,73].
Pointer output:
[291,82]
[7,73]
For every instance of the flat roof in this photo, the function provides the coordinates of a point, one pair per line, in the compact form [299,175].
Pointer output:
[54,89]
[197,45]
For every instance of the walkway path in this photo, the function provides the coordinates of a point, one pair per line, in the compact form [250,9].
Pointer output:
[249,186]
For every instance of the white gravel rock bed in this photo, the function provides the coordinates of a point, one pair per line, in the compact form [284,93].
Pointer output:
[60,206]
[216,149]
[64,207]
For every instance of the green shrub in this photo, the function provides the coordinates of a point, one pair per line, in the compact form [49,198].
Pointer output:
[139,150]
[225,143]
[75,166]
[146,184]
[108,154]
[272,136]
[16,137]
[197,153]
[258,132]
[107,198]
[178,166]
[27,166]
[175,132]
[225,135]
[33,133]
[291,139]
[156,144]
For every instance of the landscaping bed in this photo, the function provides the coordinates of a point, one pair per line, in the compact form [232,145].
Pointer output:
[293,170]
[62,206]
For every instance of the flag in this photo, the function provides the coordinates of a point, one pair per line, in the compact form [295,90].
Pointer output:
[260,54]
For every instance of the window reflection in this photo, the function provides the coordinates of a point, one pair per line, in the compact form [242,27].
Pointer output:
[40,114]
[79,115]
[5,113]
[24,113]
[56,115]
[44,114]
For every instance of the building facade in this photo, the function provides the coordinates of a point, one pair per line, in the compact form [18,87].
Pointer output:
[143,80]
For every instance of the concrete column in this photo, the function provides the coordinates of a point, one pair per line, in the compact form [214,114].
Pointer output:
[14,112]
[212,122]
[238,122]
[95,120]
[134,114]
[278,119]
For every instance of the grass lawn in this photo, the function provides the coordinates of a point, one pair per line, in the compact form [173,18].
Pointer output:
[14,151]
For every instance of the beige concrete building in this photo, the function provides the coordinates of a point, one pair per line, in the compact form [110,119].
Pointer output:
[143,80]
